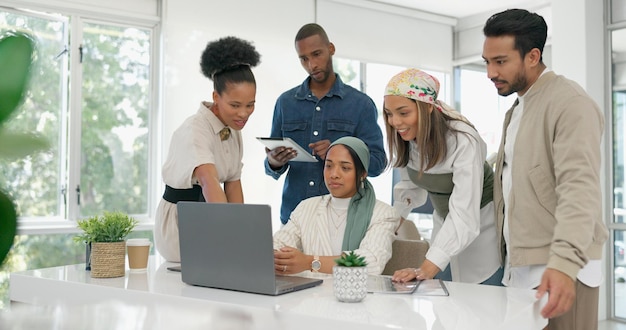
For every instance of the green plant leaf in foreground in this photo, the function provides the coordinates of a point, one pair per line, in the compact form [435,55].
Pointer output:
[16,52]
[18,145]
[8,225]
[16,56]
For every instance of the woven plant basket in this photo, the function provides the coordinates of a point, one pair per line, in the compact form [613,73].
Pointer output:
[108,259]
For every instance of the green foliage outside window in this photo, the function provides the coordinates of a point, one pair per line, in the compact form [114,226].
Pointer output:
[114,140]
[114,111]
[115,88]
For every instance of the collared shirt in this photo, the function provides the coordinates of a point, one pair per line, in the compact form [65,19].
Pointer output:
[194,143]
[301,116]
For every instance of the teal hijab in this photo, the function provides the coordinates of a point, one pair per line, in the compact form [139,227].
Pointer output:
[362,203]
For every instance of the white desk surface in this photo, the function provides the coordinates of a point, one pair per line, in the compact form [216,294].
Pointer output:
[158,299]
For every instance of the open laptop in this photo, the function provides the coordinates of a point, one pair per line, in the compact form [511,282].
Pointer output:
[229,246]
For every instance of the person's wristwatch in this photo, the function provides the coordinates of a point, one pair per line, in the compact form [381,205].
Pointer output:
[316,264]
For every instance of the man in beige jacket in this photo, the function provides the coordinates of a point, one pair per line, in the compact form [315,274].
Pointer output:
[547,185]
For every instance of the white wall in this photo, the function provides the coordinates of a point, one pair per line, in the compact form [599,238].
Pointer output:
[271,25]
[144,11]
[584,19]
[469,38]
[373,32]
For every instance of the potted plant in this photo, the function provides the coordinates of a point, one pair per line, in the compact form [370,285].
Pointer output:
[350,277]
[106,235]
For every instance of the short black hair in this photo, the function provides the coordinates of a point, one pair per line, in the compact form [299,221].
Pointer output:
[229,60]
[311,29]
[529,29]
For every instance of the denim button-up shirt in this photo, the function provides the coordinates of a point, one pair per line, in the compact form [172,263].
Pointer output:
[301,116]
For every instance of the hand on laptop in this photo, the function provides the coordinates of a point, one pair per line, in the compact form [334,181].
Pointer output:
[289,260]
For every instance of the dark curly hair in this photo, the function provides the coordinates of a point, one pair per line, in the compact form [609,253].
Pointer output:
[229,60]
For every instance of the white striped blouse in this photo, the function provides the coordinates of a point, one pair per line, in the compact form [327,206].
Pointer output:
[307,230]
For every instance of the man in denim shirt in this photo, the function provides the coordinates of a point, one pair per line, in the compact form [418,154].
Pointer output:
[315,114]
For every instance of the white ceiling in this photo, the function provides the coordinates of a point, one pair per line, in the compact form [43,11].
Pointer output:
[463,8]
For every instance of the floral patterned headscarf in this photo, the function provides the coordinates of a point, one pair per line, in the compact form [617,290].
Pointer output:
[420,86]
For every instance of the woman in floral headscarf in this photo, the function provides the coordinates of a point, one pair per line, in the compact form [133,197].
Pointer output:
[441,155]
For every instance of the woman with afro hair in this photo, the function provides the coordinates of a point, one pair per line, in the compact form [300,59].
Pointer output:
[206,150]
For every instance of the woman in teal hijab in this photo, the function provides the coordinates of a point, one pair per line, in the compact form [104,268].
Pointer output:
[350,218]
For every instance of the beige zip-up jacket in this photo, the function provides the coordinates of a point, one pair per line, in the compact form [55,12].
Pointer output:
[555,206]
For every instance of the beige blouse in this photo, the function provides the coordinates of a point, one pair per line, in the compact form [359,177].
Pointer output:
[194,143]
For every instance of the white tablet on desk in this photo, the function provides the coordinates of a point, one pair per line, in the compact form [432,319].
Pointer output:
[384,284]
[273,143]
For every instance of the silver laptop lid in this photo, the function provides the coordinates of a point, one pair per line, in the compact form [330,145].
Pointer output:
[227,246]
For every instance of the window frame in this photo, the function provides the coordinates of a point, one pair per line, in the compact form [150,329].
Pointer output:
[76,15]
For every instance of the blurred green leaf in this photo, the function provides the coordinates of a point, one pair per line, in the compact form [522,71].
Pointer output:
[8,225]
[16,55]
[16,51]
[18,145]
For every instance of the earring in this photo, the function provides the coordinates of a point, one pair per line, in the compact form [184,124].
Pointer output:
[362,183]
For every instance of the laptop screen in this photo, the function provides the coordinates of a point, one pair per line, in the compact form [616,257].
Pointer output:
[224,245]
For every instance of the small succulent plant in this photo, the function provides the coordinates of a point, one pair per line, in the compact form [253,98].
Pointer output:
[351,260]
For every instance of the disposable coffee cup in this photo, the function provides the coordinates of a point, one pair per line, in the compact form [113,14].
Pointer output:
[138,253]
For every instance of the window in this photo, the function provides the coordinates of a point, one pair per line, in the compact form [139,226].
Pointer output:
[115,108]
[349,71]
[617,225]
[35,182]
[479,101]
[90,96]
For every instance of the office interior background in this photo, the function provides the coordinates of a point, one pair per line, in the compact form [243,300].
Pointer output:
[114,79]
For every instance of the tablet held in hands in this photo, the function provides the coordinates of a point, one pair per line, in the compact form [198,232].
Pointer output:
[275,142]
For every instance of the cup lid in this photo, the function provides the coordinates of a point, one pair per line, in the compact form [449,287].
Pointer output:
[138,242]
